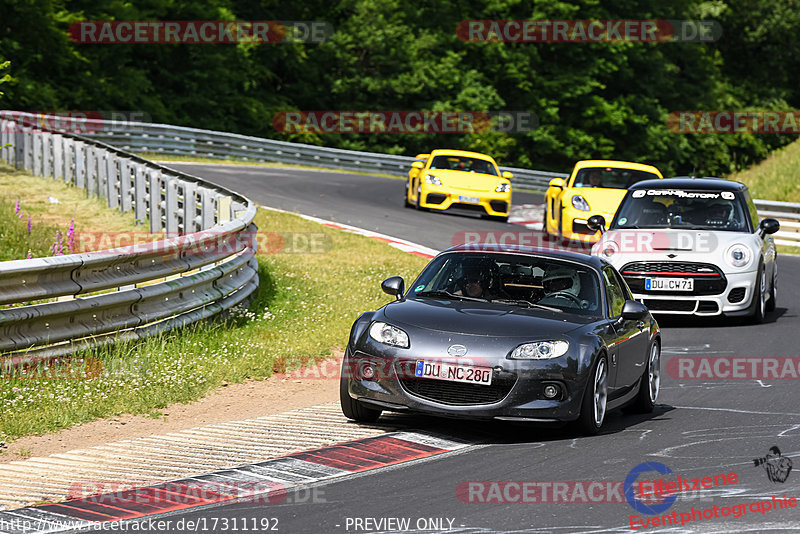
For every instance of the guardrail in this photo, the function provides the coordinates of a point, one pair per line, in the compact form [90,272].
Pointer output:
[182,141]
[788,213]
[206,265]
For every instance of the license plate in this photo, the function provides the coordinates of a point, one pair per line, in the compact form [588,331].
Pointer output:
[453,372]
[669,284]
[473,200]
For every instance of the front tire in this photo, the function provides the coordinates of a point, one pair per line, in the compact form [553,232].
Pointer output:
[650,383]
[773,290]
[406,203]
[760,297]
[595,398]
[351,408]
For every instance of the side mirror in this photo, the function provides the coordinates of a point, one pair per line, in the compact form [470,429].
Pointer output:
[633,309]
[422,156]
[769,226]
[418,165]
[557,182]
[394,285]
[507,175]
[597,222]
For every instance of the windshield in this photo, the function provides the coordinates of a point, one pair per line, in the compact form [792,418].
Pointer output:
[464,163]
[511,279]
[677,208]
[610,177]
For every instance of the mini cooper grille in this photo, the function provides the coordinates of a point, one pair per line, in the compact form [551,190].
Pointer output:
[669,267]
[708,280]
[736,295]
[458,393]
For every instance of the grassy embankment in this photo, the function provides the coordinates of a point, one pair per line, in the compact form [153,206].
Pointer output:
[303,309]
[775,178]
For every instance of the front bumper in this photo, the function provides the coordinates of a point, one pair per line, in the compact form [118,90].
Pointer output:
[516,393]
[575,226]
[444,198]
[735,299]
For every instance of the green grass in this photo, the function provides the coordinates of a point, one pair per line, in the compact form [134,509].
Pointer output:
[303,309]
[775,178]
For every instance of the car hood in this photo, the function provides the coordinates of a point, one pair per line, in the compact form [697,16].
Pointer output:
[602,201]
[471,181]
[483,319]
[677,245]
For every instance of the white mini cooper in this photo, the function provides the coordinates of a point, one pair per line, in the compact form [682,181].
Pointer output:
[693,246]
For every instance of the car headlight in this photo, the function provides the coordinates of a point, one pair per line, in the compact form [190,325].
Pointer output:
[388,335]
[738,255]
[502,188]
[579,203]
[433,180]
[540,350]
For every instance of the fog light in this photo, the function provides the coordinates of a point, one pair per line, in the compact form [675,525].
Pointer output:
[367,371]
[550,391]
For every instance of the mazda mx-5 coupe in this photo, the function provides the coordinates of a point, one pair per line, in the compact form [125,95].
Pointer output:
[506,333]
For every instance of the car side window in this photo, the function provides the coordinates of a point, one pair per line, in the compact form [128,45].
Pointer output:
[626,291]
[751,206]
[614,292]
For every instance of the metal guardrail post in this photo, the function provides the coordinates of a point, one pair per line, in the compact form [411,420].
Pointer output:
[209,271]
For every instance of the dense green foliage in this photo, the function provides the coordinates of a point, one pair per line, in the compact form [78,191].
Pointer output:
[593,100]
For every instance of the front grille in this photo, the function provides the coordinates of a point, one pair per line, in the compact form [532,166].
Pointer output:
[468,207]
[669,305]
[668,268]
[499,205]
[736,295]
[581,228]
[435,198]
[456,393]
[708,279]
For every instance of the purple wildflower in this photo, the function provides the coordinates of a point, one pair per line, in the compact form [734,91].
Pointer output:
[71,235]
[58,246]
[30,224]
[29,253]
[17,208]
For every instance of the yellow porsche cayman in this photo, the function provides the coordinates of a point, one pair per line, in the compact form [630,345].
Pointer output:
[595,187]
[446,179]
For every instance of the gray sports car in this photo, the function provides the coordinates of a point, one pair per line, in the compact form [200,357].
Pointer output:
[507,333]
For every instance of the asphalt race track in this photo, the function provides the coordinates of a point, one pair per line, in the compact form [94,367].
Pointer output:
[701,427]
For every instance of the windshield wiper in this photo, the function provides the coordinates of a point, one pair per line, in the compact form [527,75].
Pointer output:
[529,304]
[440,293]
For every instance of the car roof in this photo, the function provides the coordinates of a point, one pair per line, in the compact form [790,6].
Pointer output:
[615,163]
[495,248]
[449,152]
[687,182]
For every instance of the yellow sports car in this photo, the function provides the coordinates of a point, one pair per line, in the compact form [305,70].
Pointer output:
[595,187]
[447,179]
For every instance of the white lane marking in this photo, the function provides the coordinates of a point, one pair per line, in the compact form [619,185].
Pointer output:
[733,410]
[763,385]
[394,241]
